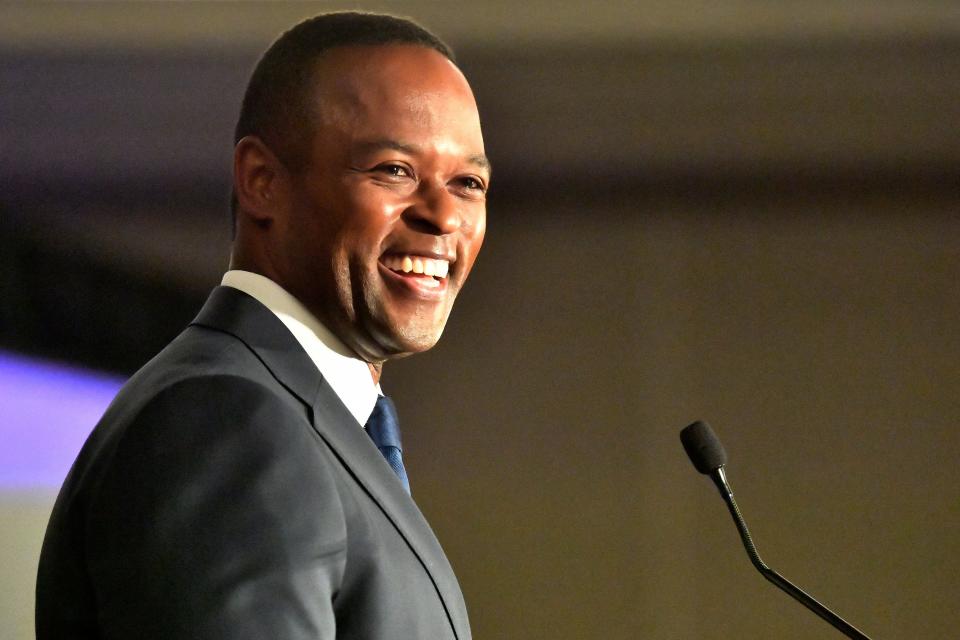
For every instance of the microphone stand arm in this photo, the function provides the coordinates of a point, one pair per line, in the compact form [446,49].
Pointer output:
[719,478]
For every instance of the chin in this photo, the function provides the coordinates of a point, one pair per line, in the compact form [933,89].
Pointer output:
[400,342]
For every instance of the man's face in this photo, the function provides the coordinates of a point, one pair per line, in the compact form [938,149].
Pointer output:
[387,218]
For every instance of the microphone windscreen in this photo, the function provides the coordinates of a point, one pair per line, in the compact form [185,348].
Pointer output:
[703,446]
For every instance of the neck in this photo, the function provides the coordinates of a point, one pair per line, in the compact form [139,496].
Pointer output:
[375,370]
[239,260]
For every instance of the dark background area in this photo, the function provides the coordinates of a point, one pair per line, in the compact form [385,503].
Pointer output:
[747,214]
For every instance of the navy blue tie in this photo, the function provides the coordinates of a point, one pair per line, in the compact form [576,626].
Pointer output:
[383,427]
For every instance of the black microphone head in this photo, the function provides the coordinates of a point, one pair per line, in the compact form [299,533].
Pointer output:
[703,446]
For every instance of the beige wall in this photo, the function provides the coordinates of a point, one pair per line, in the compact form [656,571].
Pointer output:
[23,519]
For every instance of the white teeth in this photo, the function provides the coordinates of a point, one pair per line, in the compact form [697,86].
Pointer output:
[418,264]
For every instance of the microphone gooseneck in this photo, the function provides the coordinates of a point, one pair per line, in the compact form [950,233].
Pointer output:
[709,457]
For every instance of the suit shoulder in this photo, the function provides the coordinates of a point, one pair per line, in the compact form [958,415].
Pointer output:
[189,402]
[242,423]
[201,370]
[200,351]
[201,412]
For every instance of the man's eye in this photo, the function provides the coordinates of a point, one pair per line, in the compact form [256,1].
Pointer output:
[394,170]
[473,184]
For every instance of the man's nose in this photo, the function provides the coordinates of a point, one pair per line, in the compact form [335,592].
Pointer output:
[435,211]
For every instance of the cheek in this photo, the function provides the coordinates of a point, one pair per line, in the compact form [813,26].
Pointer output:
[474,234]
[479,231]
[371,218]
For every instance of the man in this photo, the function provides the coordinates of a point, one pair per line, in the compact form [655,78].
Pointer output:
[230,490]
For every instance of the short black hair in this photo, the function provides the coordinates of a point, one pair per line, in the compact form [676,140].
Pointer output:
[277,101]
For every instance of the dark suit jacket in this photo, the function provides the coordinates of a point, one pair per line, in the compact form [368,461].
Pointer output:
[228,493]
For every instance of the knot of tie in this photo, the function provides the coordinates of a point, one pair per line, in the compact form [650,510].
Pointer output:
[383,427]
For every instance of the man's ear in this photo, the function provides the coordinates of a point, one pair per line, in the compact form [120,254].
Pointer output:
[259,180]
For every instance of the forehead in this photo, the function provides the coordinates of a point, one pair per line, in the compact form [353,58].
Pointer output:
[393,89]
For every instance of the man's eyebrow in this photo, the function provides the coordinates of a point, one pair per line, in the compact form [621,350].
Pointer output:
[370,146]
[481,161]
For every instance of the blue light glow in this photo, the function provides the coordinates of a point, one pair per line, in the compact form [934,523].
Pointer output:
[46,412]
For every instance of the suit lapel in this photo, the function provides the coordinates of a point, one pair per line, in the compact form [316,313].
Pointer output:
[361,457]
[230,310]
[235,312]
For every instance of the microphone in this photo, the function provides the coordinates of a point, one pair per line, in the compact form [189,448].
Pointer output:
[709,457]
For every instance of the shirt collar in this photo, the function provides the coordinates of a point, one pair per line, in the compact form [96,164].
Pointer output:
[348,375]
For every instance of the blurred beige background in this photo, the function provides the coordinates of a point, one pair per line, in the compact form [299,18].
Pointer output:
[745,212]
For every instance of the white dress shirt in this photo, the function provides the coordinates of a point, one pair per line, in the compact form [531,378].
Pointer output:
[348,375]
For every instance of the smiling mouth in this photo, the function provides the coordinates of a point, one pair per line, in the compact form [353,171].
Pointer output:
[417,266]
